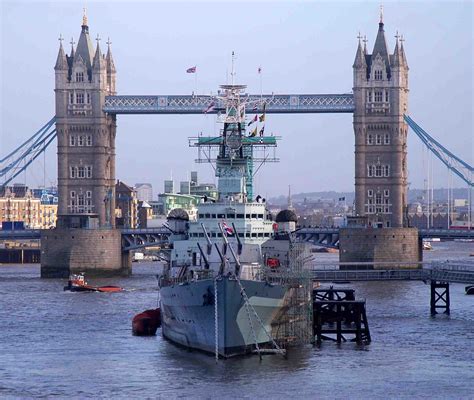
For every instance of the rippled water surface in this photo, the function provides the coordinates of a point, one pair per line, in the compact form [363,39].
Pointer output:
[76,345]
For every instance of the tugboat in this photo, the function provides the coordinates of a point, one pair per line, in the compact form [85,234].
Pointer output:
[77,283]
[234,275]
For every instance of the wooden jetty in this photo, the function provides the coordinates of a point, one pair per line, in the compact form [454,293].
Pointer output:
[336,312]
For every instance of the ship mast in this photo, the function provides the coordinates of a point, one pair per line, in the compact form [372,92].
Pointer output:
[234,151]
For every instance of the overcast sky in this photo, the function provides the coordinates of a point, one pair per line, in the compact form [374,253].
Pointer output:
[302,47]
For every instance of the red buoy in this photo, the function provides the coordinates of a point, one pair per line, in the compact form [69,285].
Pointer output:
[146,323]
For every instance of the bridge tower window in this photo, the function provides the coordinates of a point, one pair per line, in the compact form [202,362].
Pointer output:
[387,139]
[89,171]
[370,139]
[378,170]
[72,140]
[378,139]
[386,193]
[378,96]
[79,76]
[73,172]
[89,140]
[378,75]
[386,170]
[370,192]
[370,170]
[80,140]
[71,98]
[79,98]
[81,172]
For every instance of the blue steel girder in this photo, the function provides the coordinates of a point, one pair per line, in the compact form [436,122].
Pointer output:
[323,237]
[197,104]
[133,239]
[455,164]
[20,159]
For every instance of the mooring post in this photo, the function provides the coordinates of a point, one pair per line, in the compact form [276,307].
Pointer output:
[433,298]
[358,325]
[439,297]
[448,301]
[339,320]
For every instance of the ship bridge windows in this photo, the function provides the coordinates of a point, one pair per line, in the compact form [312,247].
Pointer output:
[240,216]
[207,215]
[247,216]
[260,216]
[231,216]
[220,215]
[254,216]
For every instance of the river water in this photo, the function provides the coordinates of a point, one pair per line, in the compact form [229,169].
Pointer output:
[77,345]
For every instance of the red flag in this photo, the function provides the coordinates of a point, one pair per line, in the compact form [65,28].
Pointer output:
[210,108]
[254,119]
[191,70]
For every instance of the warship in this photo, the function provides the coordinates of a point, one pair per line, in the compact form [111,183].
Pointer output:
[234,283]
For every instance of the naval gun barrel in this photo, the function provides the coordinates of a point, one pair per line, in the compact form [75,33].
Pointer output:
[237,262]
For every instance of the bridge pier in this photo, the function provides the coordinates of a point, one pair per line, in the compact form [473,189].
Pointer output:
[439,297]
[379,245]
[126,260]
[96,252]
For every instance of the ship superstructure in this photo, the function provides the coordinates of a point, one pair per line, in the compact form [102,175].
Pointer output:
[236,154]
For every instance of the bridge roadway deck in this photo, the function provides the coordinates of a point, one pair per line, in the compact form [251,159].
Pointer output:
[423,233]
[303,233]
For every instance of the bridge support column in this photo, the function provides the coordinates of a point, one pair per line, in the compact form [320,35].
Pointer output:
[96,252]
[439,297]
[127,260]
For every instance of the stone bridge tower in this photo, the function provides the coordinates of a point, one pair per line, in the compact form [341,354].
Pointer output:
[86,135]
[85,239]
[381,99]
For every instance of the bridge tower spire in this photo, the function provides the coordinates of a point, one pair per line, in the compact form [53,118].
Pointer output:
[86,135]
[381,100]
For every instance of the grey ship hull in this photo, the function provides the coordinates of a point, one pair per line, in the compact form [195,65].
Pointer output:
[188,314]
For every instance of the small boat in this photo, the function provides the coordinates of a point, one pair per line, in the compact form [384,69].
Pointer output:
[470,289]
[77,283]
[326,250]
[146,323]
[427,246]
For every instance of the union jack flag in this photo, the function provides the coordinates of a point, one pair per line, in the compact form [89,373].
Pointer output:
[227,229]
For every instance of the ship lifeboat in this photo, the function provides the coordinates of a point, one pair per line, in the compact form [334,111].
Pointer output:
[470,289]
[146,323]
[77,283]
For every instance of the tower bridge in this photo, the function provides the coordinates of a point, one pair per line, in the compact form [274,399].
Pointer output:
[86,110]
